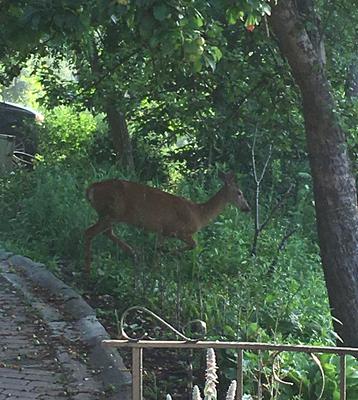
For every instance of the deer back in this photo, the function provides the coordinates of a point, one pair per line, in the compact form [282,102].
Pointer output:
[143,206]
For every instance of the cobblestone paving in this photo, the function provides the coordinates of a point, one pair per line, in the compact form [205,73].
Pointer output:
[30,366]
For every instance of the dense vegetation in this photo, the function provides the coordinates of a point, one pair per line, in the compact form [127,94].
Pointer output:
[230,103]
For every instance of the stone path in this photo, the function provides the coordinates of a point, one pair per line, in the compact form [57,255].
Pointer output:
[36,363]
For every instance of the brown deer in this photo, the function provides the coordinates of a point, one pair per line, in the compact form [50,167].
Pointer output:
[154,210]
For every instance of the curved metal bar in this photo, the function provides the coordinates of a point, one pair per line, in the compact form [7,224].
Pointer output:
[22,153]
[124,335]
[274,373]
[316,361]
[18,159]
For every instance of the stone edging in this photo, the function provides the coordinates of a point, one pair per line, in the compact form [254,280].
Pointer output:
[108,362]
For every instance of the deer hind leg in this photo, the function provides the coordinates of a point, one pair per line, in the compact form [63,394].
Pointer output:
[99,227]
[123,245]
[102,226]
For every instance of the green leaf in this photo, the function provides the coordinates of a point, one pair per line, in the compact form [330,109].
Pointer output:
[229,331]
[209,60]
[232,15]
[197,66]
[161,12]
[252,328]
[216,53]
[266,9]
[304,175]
[251,20]
[197,20]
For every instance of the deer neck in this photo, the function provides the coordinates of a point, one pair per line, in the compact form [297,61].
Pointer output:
[213,207]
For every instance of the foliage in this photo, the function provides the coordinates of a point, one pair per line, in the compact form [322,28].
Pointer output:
[196,85]
[68,135]
[307,381]
[298,376]
[45,214]
[211,379]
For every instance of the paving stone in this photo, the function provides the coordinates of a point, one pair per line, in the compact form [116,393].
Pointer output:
[30,368]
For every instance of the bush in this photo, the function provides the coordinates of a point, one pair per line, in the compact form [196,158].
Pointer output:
[50,213]
[67,136]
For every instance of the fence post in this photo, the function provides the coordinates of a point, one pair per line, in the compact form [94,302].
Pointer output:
[137,373]
[259,378]
[342,377]
[239,372]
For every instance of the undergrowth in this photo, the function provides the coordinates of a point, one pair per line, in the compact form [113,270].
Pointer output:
[278,295]
[240,297]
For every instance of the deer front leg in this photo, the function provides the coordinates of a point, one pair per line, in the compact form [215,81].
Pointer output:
[94,230]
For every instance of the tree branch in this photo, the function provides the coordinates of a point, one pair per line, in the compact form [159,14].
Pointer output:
[282,245]
[258,181]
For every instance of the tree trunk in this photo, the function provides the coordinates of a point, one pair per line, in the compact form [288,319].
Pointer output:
[116,120]
[312,23]
[120,137]
[333,181]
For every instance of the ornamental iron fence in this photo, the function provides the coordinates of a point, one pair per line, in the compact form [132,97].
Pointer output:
[137,345]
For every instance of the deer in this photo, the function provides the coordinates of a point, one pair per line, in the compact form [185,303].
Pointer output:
[168,215]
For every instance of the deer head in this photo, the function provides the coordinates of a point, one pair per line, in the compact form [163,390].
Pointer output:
[234,193]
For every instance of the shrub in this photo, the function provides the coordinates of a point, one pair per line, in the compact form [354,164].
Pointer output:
[67,135]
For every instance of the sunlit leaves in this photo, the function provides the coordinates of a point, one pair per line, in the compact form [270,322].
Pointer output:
[249,11]
[183,31]
[265,9]
[233,14]
[213,56]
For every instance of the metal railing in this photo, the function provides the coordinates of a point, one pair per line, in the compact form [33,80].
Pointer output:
[137,357]
[138,344]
